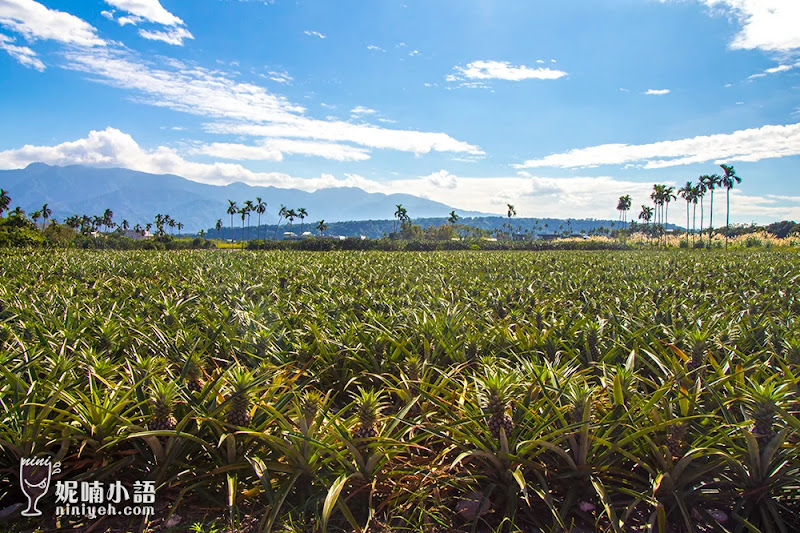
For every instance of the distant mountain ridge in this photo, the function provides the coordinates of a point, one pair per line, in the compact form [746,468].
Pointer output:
[138,196]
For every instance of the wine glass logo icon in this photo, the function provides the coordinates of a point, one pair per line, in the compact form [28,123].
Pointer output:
[34,480]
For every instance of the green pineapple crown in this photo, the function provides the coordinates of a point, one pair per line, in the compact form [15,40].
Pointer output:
[369,405]
[310,403]
[165,395]
[497,389]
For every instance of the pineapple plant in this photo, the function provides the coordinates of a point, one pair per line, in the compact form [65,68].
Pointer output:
[698,341]
[194,373]
[240,383]
[497,390]
[165,394]
[369,405]
[310,403]
[676,433]
[762,401]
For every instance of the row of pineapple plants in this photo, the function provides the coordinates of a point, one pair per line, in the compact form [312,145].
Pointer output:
[435,392]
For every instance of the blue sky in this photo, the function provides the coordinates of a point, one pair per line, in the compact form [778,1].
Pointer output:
[556,107]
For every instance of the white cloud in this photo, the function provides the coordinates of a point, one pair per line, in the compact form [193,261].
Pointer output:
[152,11]
[375,47]
[23,54]
[108,14]
[174,36]
[533,196]
[416,142]
[743,145]
[361,110]
[657,92]
[414,53]
[275,149]
[442,179]
[113,148]
[769,25]
[35,21]
[311,33]
[503,70]
[774,70]
[253,110]
[280,77]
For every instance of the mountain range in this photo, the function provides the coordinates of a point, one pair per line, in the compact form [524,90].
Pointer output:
[138,196]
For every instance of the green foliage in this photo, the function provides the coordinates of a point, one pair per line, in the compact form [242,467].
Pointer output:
[447,390]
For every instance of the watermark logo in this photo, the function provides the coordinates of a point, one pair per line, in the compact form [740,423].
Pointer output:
[88,499]
[35,474]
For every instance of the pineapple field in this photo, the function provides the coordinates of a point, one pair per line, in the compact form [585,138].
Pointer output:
[431,392]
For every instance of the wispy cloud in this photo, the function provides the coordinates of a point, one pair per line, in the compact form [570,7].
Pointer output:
[311,33]
[503,70]
[280,77]
[23,54]
[375,48]
[275,149]
[34,21]
[151,11]
[775,70]
[246,109]
[361,110]
[657,92]
[743,145]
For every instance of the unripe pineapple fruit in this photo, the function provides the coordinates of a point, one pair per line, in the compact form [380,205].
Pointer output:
[239,384]
[194,372]
[675,435]
[164,397]
[496,392]
[369,405]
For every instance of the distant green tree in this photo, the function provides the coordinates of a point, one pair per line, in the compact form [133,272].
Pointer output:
[261,207]
[729,179]
[232,210]
[5,200]
[321,227]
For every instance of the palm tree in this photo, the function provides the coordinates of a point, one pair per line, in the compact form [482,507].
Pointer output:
[137,229]
[243,213]
[702,187]
[687,192]
[108,216]
[248,205]
[290,216]
[711,183]
[46,212]
[401,211]
[35,216]
[261,207]
[728,181]
[180,227]
[5,200]
[321,227]
[658,201]
[218,226]
[171,223]
[232,210]
[281,214]
[669,195]
[125,225]
[453,218]
[646,214]
[510,213]
[18,212]
[696,195]
[302,213]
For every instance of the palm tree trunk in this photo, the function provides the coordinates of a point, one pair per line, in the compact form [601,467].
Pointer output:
[711,219]
[687,224]
[727,215]
[694,222]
